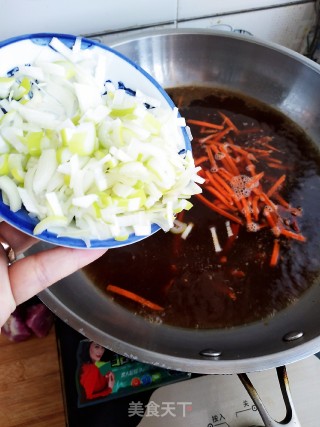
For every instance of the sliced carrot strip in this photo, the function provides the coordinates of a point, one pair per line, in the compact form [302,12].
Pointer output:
[229,123]
[228,160]
[254,179]
[275,253]
[265,142]
[200,160]
[224,184]
[222,205]
[219,155]
[265,198]
[265,139]
[273,223]
[273,160]
[271,147]
[218,210]
[250,166]
[255,207]
[218,136]
[226,174]
[233,167]
[237,203]
[205,124]
[259,151]
[281,200]
[209,131]
[236,147]
[293,235]
[211,158]
[277,166]
[134,297]
[276,185]
[248,131]
[208,138]
[263,225]
[216,183]
[246,210]
[227,204]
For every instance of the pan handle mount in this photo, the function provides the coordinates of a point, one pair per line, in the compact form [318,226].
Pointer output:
[291,419]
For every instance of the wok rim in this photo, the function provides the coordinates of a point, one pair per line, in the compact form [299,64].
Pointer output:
[214,365]
[211,32]
[204,366]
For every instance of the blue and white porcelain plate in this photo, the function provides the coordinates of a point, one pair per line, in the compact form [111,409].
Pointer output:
[24,50]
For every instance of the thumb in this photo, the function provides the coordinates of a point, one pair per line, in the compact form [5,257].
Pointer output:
[31,275]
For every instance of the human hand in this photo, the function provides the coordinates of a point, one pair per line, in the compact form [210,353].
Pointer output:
[28,276]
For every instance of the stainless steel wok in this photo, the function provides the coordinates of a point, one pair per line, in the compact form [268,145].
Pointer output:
[269,73]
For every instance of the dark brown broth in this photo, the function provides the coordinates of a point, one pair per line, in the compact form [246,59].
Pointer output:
[187,277]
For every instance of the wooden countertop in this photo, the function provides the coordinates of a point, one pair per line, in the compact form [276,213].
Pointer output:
[30,386]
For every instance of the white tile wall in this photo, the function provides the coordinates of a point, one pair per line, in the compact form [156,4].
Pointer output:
[282,21]
[187,9]
[287,25]
[110,38]
[81,16]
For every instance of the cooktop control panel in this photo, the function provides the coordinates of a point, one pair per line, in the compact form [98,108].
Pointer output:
[222,401]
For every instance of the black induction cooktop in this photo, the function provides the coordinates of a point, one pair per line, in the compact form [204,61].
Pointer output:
[111,413]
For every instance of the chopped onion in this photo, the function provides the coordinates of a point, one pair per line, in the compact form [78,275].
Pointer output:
[187,231]
[84,155]
[229,229]
[178,227]
[215,239]
[10,192]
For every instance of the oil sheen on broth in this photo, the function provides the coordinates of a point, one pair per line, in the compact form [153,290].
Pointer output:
[199,287]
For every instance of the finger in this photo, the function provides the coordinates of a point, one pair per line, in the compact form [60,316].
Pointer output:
[31,275]
[19,241]
[7,302]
